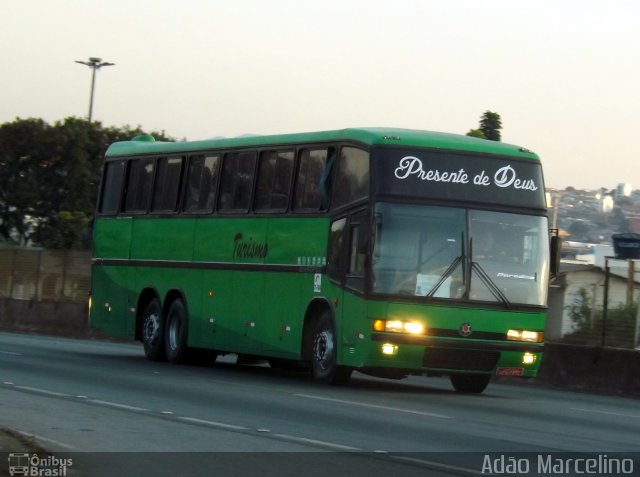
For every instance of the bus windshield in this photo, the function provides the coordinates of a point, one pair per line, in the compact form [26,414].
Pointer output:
[460,254]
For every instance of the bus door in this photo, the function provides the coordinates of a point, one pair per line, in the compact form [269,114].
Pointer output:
[349,242]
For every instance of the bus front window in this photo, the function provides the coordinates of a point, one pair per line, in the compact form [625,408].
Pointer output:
[511,251]
[425,251]
[418,250]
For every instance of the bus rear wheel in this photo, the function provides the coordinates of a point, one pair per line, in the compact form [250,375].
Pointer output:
[175,333]
[324,353]
[470,383]
[153,331]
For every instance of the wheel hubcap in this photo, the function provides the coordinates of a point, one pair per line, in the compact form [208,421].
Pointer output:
[151,327]
[323,349]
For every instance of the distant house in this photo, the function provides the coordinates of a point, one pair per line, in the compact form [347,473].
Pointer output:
[588,273]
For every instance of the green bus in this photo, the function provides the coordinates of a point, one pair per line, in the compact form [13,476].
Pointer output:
[389,251]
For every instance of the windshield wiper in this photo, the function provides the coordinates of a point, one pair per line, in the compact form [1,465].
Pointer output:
[486,279]
[450,269]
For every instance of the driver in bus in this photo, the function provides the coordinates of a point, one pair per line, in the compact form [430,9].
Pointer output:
[484,245]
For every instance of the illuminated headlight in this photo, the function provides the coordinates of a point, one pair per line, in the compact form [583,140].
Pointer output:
[414,328]
[398,326]
[389,348]
[394,326]
[528,358]
[524,335]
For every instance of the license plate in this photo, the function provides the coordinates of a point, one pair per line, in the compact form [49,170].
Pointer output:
[510,372]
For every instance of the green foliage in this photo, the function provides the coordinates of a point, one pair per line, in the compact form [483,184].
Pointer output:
[490,125]
[49,178]
[580,311]
[620,327]
[476,133]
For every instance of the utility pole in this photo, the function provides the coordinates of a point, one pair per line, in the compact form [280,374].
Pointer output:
[95,64]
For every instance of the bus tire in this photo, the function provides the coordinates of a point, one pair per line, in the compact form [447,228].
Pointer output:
[175,333]
[152,331]
[470,383]
[324,353]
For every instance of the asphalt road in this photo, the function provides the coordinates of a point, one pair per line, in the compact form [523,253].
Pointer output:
[102,398]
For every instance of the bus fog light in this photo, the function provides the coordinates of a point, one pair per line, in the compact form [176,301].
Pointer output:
[389,349]
[528,358]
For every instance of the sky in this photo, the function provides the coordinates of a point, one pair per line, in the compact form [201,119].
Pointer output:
[564,75]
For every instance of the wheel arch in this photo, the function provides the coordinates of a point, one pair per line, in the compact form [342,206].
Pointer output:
[172,295]
[314,309]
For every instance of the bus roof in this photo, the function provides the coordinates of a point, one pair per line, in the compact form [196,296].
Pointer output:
[369,136]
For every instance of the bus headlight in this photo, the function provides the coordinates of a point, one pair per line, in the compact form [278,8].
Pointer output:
[525,335]
[414,328]
[399,326]
[528,358]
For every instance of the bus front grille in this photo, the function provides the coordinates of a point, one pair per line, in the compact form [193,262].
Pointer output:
[460,359]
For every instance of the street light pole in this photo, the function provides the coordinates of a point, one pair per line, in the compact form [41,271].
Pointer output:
[95,64]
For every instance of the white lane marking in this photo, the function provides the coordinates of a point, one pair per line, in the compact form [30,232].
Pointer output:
[116,405]
[43,391]
[375,406]
[445,467]
[304,440]
[8,383]
[11,353]
[46,439]
[608,413]
[221,425]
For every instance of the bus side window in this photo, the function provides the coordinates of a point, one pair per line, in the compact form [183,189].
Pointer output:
[167,187]
[274,180]
[139,185]
[308,195]
[237,180]
[201,183]
[357,253]
[352,177]
[112,188]
[335,254]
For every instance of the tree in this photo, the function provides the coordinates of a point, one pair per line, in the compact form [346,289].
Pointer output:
[476,133]
[49,177]
[23,146]
[579,230]
[490,125]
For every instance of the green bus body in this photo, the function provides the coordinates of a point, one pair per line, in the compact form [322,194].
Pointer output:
[260,282]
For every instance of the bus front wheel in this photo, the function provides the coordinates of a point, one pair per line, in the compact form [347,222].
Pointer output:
[324,353]
[470,383]
[152,331]
[175,333]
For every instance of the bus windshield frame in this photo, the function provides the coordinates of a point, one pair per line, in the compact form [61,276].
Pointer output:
[460,254]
